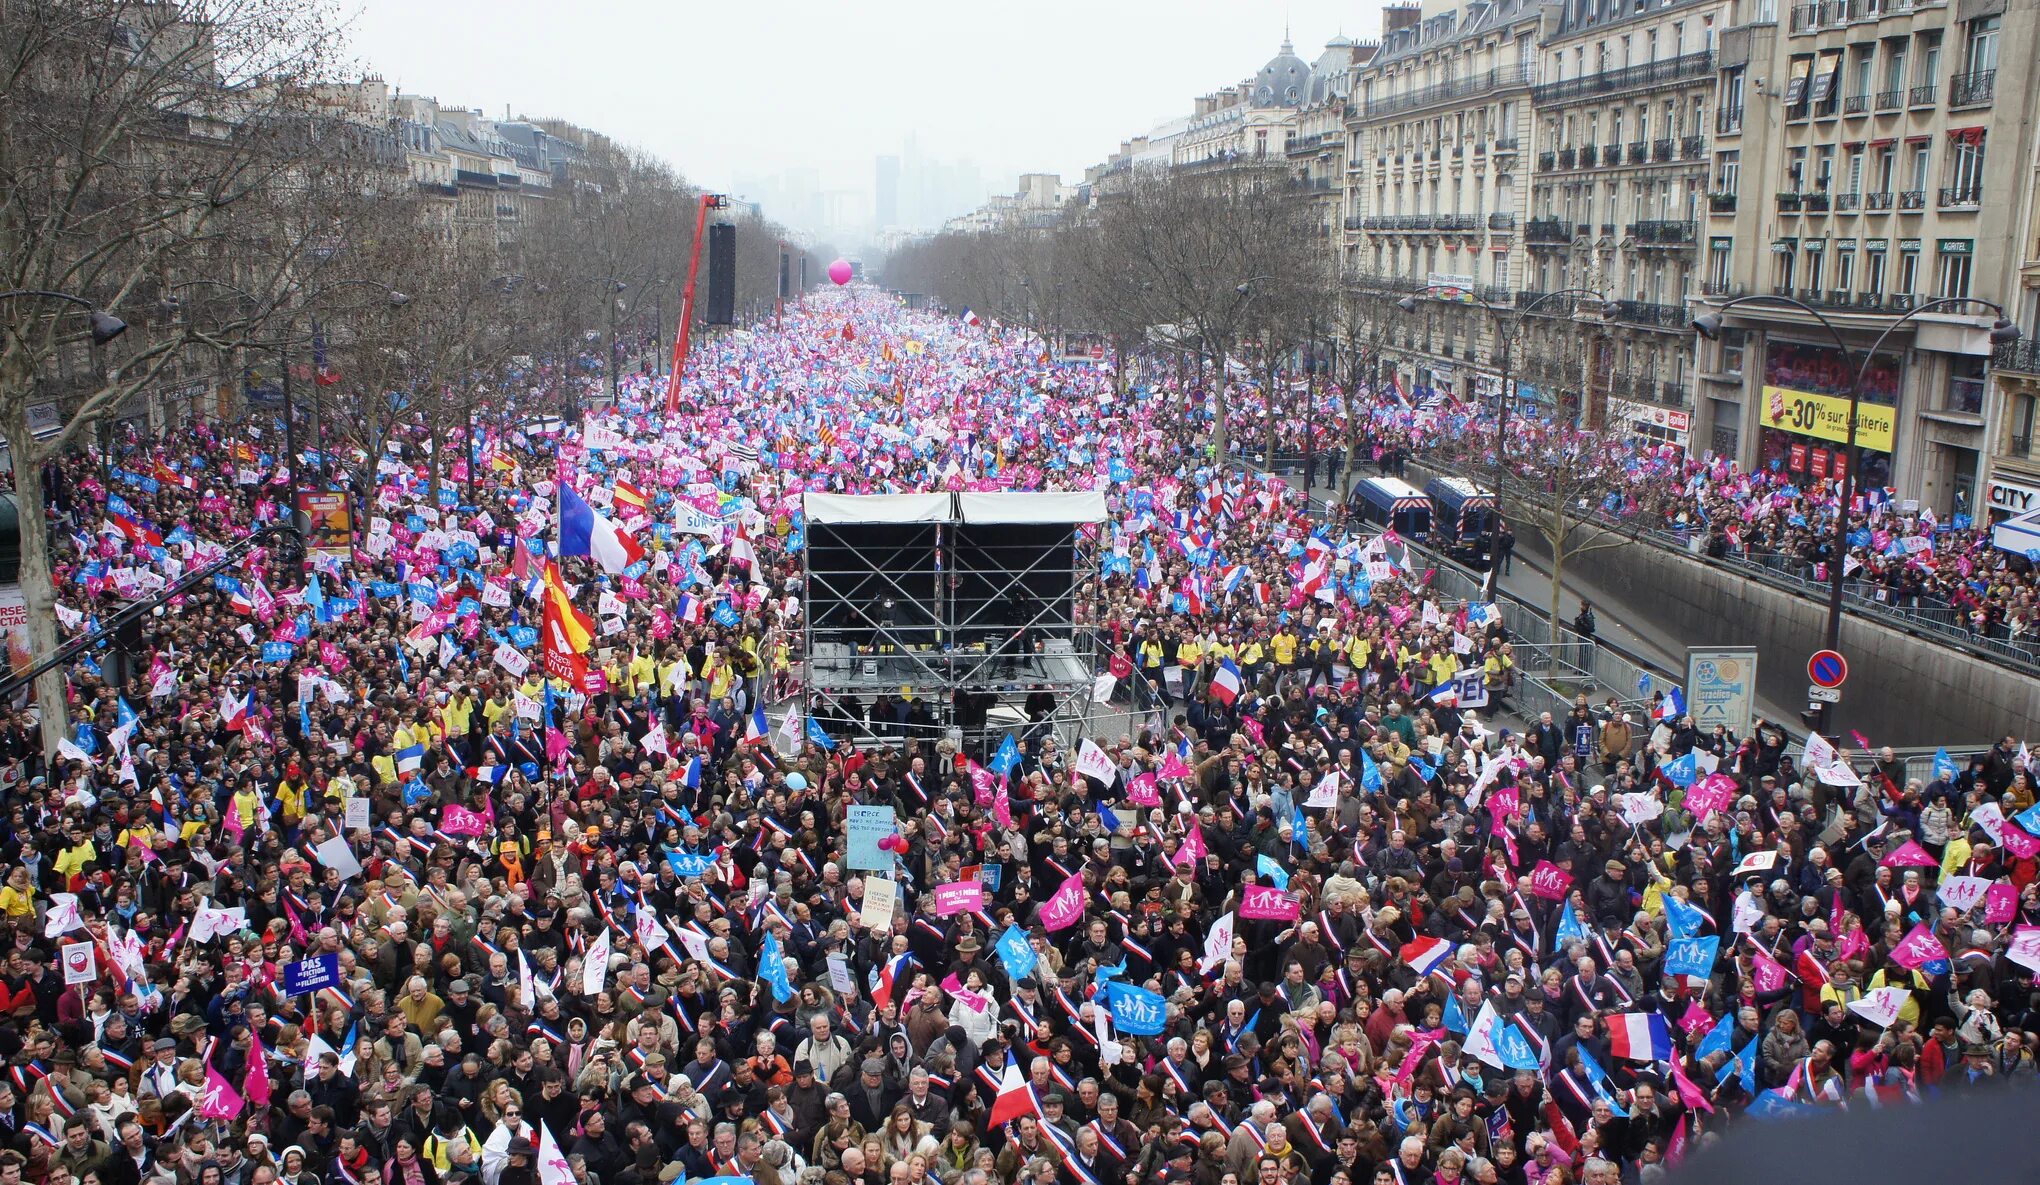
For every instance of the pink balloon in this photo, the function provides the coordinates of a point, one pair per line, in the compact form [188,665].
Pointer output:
[839,271]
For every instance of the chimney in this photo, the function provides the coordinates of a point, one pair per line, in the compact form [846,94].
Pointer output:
[1399,16]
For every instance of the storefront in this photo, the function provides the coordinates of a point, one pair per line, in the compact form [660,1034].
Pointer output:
[2004,497]
[1804,412]
[1649,424]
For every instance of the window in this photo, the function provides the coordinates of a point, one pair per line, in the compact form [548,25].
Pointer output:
[1954,259]
[1928,72]
[1918,175]
[1887,162]
[1815,259]
[1908,268]
[1965,384]
[1727,171]
[1785,257]
[1965,166]
[1795,170]
[1827,79]
[1855,173]
[1873,270]
[1796,86]
[1845,270]
[1499,261]
[1733,343]
[1859,77]
[1979,54]
[1720,253]
[1894,66]
[1823,168]
[2024,409]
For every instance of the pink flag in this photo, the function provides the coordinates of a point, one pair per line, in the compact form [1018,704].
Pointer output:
[1063,908]
[2000,902]
[1689,1092]
[1002,808]
[1173,767]
[1696,1020]
[221,1100]
[1909,855]
[1269,903]
[1193,846]
[458,820]
[1675,1151]
[1919,948]
[1768,972]
[1549,881]
[556,744]
[2020,842]
[258,1072]
[1141,791]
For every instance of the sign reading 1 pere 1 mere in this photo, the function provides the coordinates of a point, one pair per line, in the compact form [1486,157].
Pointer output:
[1827,669]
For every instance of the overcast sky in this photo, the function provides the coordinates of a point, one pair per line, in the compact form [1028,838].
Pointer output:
[744,88]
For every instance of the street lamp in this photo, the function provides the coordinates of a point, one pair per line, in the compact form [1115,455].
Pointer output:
[104,327]
[1506,338]
[1709,326]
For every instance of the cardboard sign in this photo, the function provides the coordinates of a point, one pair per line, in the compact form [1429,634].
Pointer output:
[881,896]
[960,897]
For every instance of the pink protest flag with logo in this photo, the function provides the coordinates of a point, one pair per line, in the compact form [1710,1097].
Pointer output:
[1268,903]
[1549,881]
[1173,767]
[257,1079]
[1141,791]
[220,1101]
[1918,948]
[1193,846]
[1909,855]
[1065,906]
[1768,973]
[1711,793]
[2000,902]
[2019,842]
[961,897]
[458,820]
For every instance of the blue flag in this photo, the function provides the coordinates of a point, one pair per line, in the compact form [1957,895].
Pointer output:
[1108,817]
[1015,953]
[1370,773]
[1276,874]
[1682,920]
[1692,956]
[1455,1017]
[1006,758]
[1944,766]
[1570,927]
[1719,1038]
[1514,1048]
[818,735]
[1599,1077]
[772,968]
[1683,772]
[1136,1010]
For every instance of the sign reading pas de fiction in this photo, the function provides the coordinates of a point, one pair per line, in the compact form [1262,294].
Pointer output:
[1826,417]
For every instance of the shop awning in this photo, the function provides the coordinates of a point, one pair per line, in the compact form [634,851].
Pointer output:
[2019,535]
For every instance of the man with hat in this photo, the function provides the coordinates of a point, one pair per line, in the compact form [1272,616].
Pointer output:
[871,1097]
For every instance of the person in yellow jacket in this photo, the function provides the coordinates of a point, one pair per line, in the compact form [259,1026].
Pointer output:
[458,713]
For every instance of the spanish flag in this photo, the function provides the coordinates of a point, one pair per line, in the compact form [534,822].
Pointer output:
[567,631]
[629,495]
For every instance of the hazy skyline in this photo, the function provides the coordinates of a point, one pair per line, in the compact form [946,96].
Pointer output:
[727,93]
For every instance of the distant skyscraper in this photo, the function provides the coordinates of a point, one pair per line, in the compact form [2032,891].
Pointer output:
[888,203]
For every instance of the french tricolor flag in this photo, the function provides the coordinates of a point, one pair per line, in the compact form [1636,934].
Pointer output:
[1640,1037]
[1426,955]
[757,729]
[1225,684]
[585,531]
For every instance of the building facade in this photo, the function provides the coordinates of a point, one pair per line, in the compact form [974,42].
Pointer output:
[1855,143]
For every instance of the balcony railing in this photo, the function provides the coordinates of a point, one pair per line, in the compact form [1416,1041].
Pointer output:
[1890,100]
[1355,222]
[1972,89]
[1856,105]
[1505,144]
[1457,88]
[1661,150]
[1663,316]
[1566,157]
[1912,199]
[1638,152]
[1665,233]
[1546,161]
[1815,203]
[1728,121]
[1644,74]
[1693,147]
[1788,203]
[1805,18]
[1501,222]
[1961,197]
[1877,202]
[1547,230]
[2022,356]
[1611,154]
[1922,96]
[1721,203]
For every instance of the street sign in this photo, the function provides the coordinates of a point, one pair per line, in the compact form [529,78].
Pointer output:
[1823,695]
[1827,668]
[1721,687]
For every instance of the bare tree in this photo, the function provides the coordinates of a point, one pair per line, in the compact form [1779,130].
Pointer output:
[130,133]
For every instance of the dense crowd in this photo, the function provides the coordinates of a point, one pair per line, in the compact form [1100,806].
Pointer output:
[338,886]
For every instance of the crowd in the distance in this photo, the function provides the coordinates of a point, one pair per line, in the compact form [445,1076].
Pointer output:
[335,886]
